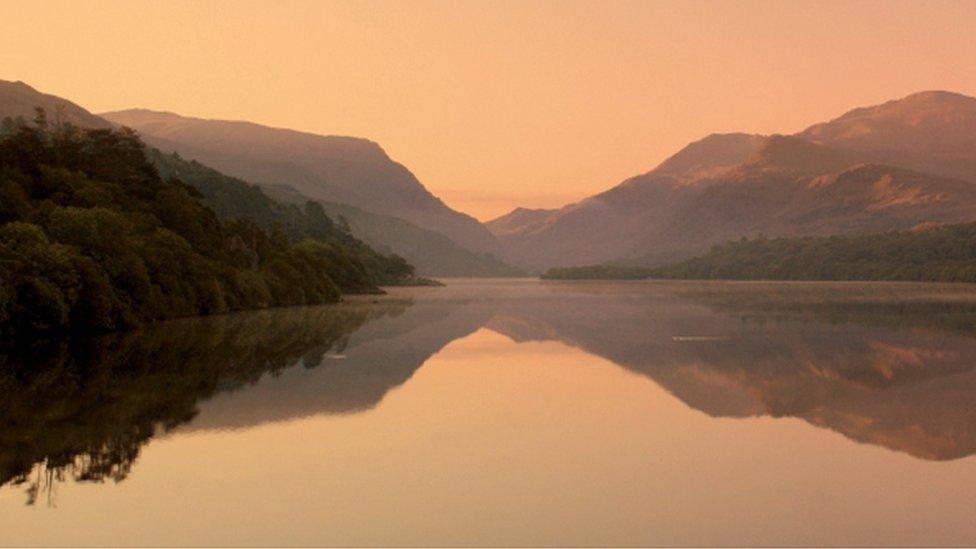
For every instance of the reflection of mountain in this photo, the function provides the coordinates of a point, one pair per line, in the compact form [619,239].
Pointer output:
[879,371]
[380,356]
[891,365]
[190,374]
[86,407]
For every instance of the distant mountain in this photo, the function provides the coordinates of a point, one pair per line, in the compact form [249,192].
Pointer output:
[860,173]
[518,220]
[431,252]
[17,99]
[794,188]
[600,228]
[932,131]
[609,225]
[346,170]
[710,156]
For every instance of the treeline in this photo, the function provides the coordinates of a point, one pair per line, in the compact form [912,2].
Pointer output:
[93,238]
[934,254]
[597,272]
[232,197]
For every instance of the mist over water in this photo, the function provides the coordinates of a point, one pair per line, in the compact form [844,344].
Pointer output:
[509,412]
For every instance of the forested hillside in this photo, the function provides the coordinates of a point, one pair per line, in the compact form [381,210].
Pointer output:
[430,252]
[93,238]
[332,168]
[231,197]
[936,253]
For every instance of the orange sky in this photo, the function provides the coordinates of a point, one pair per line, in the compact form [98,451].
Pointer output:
[496,104]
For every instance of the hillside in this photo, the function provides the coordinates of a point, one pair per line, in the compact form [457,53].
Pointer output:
[932,131]
[609,225]
[432,253]
[18,99]
[232,198]
[928,253]
[888,167]
[345,170]
[794,188]
[710,156]
[92,239]
[519,220]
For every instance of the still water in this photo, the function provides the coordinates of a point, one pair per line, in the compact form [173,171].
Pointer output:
[509,413]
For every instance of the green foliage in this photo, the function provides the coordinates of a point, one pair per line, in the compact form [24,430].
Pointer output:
[93,238]
[940,254]
[610,272]
[234,198]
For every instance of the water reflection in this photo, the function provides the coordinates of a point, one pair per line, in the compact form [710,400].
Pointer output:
[82,409]
[889,365]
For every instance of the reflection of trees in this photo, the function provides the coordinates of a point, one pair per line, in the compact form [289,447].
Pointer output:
[895,368]
[937,307]
[83,408]
[886,365]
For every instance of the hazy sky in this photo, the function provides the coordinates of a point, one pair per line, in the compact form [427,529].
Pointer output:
[496,104]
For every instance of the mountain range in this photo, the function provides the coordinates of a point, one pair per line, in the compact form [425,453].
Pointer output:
[892,166]
[345,170]
[382,202]
[880,168]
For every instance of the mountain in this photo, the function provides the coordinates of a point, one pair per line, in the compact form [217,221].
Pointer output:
[794,188]
[232,198]
[599,228]
[92,238]
[346,170]
[372,236]
[882,168]
[608,225]
[932,131]
[431,252]
[710,156]
[518,220]
[17,99]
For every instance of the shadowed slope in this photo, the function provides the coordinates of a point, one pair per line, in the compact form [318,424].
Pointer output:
[340,169]
[931,131]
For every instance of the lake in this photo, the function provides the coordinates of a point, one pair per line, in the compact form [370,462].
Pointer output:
[509,412]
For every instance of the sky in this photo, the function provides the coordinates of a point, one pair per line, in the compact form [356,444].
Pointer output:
[495,104]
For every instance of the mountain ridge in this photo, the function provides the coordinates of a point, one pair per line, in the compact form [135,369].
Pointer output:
[20,99]
[432,252]
[347,170]
[727,186]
